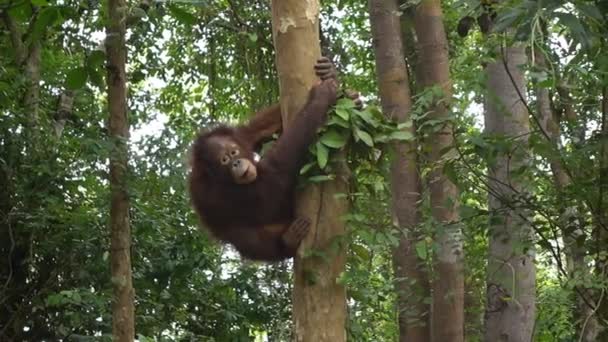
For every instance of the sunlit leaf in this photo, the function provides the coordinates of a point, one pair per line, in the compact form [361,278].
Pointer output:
[306,168]
[322,155]
[405,124]
[365,137]
[342,113]
[345,103]
[402,135]
[421,250]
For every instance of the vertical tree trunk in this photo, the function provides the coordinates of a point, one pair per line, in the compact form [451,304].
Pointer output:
[601,221]
[120,238]
[575,253]
[319,302]
[448,287]
[412,284]
[511,293]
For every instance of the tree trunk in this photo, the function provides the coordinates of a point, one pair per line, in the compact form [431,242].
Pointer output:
[448,286]
[120,238]
[511,293]
[319,302]
[575,252]
[601,221]
[412,281]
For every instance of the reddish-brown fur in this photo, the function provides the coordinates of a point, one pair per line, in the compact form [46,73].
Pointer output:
[258,218]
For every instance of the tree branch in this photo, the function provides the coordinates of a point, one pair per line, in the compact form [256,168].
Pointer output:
[15,34]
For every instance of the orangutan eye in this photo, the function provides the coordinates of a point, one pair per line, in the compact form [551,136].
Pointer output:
[225,160]
[234,152]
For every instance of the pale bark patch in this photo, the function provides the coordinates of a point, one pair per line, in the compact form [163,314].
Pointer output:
[285,23]
[312,10]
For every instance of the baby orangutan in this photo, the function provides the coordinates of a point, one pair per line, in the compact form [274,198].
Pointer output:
[250,203]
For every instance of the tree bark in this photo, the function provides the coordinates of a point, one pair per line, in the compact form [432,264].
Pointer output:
[448,287]
[511,292]
[319,302]
[120,238]
[412,280]
[601,221]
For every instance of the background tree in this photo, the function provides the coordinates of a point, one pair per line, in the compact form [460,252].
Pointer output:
[123,328]
[191,66]
[511,273]
[394,92]
[433,71]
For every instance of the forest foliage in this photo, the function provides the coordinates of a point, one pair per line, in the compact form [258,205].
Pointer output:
[194,64]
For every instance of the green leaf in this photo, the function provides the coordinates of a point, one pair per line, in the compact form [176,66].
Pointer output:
[333,139]
[20,11]
[589,10]
[94,65]
[306,168]
[321,178]
[182,15]
[39,3]
[342,278]
[96,77]
[54,300]
[76,78]
[322,155]
[345,103]
[367,116]
[407,124]
[139,13]
[253,37]
[506,20]
[48,17]
[338,121]
[360,251]
[382,138]
[576,28]
[402,135]
[392,240]
[343,113]
[421,250]
[363,135]
[378,186]
[96,58]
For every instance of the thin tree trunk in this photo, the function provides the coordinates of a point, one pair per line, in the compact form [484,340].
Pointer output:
[575,252]
[601,221]
[319,302]
[448,287]
[412,284]
[511,293]
[120,238]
